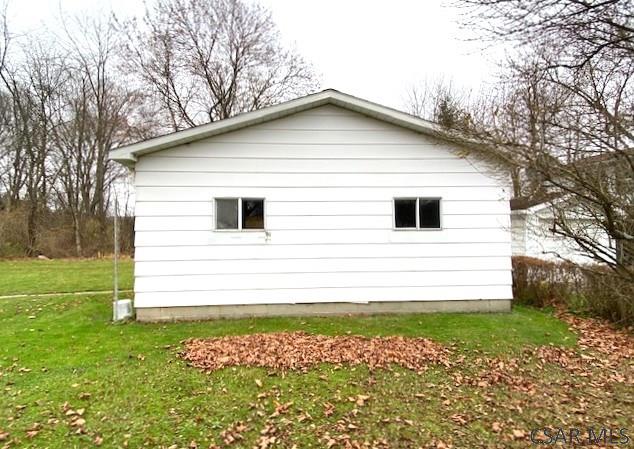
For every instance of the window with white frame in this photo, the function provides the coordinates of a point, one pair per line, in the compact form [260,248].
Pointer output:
[417,213]
[239,213]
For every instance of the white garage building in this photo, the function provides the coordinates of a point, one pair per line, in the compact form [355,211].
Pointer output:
[323,204]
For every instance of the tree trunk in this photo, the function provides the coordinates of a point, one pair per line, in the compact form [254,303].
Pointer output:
[31,230]
[77,232]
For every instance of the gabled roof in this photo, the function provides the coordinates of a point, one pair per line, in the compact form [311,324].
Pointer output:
[128,154]
[544,198]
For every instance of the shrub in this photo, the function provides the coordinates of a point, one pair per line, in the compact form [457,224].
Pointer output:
[593,289]
[55,235]
[609,296]
[13,236]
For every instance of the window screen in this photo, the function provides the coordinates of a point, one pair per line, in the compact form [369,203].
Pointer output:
[429,213]
[227,213]
[405,213]
[252,213]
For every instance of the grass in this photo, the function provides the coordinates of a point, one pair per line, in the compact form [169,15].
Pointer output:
[136,392]
[27,276]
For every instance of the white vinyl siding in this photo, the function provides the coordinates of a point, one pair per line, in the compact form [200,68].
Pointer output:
[533,236]
[329,177]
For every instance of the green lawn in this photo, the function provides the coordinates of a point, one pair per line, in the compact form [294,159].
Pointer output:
[25,276]
[136,392]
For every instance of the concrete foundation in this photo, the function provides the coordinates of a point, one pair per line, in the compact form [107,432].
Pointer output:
[154,314]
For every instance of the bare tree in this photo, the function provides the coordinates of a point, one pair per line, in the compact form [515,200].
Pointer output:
[33,86]
[581,31]
[441,102]
[568,113]
[93,116]
[208,60]
[11,163]
[63,106]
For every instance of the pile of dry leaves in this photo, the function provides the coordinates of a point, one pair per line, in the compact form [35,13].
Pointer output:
[601,336]
[301,351]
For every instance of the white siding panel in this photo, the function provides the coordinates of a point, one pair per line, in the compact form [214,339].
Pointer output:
[383,251]
[518,233]
[315,237]
[173,208]
[303,165]
[180,223]
[325,265]
[542,243]
[268,281]
[259,133]
[326,208]
[329,177]
[296,193]
[427,293]
[333,119]
[197,179]
[308,149]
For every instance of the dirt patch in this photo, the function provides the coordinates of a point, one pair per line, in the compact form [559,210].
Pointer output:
[301,351]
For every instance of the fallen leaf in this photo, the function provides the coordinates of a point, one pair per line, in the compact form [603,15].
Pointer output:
[361,399]
[79,422]
[518,434]
[458,419]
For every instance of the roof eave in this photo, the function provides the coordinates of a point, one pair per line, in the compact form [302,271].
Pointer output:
[130,153]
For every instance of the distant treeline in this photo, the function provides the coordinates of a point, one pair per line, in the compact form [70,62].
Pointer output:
[68,96]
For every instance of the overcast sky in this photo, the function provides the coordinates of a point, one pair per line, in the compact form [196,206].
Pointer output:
[373,49]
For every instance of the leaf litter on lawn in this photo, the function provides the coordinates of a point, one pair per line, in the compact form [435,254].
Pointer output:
[601,346]
[300,351]
[601,359]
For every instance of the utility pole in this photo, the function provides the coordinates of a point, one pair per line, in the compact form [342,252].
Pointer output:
[121,308]
[116,259]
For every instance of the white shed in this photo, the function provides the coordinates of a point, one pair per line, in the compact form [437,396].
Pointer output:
[533,236]
[324,204]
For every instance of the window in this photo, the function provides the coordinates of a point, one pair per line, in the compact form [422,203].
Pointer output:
[227,213]
[417,213]
[405,213]
[252,213]
[239,213]
[429,213]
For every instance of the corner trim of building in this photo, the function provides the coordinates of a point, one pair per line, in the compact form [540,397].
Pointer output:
[195,313]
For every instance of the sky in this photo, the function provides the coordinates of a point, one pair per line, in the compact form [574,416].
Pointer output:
[374,49]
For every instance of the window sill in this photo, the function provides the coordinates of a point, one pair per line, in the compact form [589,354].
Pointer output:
[416,229]
[240,231]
